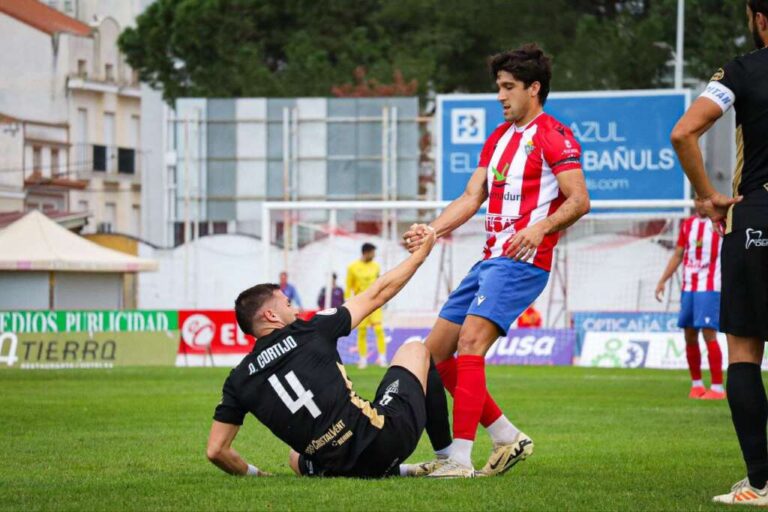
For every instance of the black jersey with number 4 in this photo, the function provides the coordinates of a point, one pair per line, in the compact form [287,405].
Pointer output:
[294,383]
[743,84]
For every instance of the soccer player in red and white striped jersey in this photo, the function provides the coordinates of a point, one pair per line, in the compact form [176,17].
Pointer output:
[530,173]
[698,249]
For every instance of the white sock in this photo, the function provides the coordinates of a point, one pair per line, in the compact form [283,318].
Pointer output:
[697,384]
[444,453]
[461,451]
[502,431]
[403,470]
[717,387]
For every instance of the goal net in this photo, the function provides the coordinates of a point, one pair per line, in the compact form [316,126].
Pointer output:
[608,261]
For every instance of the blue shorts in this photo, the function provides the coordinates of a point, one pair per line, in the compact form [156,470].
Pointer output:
[699,310]
[498,289]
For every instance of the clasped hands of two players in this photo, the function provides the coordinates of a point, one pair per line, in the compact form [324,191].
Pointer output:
[521,247]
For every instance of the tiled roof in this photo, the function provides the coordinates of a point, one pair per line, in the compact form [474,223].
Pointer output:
[40,16]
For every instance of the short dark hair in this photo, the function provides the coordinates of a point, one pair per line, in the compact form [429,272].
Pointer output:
[368,247]
[758,6]
[250,301]
[527,64]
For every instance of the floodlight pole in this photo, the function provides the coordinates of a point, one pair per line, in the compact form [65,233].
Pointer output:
[679,44]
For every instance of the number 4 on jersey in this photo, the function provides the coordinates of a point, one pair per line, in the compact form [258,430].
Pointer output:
[303,396]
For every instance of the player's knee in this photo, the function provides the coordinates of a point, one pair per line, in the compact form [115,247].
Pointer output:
[212,453]
[470,343]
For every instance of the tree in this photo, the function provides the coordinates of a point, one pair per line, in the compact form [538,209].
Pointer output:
[230,48]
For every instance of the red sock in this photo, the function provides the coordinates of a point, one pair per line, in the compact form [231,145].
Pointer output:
[467,403]
[447,371]
[693,354]
[715,357]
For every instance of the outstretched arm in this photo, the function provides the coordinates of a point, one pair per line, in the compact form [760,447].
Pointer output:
[221,453]
[455,214]
[672,264]
[387,286]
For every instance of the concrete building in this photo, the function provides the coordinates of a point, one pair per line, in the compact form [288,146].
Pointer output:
[70,114]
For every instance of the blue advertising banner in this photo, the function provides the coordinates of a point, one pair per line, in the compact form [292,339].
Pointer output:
[624,135]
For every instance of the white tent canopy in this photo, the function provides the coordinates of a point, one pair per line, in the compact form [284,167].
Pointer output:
[36,243]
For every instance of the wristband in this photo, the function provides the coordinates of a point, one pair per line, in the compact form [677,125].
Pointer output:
[252,470]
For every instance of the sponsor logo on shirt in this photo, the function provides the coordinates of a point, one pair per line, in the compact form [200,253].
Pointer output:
[500,178]
[500,223]
[755,238]
[498,195]
[719,75]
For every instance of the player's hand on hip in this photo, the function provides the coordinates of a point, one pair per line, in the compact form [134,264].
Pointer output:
[716,208]
[660,291]
[524,243]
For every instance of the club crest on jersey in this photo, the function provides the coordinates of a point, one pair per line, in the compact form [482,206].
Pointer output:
[529,147]
[719,74]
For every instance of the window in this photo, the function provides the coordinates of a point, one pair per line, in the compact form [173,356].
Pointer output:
[99,158]
[37,159]
[82,206]
[82,158]
[126,160]
[55,161]
[82,68]
[109,141]
[109,73]
[110,213]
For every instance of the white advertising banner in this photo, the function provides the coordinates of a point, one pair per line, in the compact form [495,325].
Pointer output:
[665,350]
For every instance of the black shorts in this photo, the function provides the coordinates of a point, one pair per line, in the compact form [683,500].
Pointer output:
[400,399]
[744,296]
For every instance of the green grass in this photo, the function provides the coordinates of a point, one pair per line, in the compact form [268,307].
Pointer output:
[134,439]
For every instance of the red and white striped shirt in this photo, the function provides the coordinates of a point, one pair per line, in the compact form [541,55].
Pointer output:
[522,163]
[701,255]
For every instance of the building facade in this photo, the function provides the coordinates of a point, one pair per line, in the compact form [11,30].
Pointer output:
[70,115]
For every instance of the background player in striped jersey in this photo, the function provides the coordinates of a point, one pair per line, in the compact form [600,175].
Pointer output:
[698,249]
[530,173]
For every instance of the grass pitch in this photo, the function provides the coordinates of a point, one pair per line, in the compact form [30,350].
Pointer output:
[134,439]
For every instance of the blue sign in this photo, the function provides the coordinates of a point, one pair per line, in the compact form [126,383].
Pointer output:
[621,321]
[624,136]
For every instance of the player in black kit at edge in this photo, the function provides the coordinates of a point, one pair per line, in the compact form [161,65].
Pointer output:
[294,383]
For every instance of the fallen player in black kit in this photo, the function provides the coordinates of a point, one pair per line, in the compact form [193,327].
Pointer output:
[294,383]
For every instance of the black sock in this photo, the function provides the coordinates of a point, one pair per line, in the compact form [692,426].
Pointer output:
[438,428]
[749,411]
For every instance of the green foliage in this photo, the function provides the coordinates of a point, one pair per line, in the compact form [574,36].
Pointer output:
[229,48]
[134,439]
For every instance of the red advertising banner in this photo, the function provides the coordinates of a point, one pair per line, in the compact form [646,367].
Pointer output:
[212,332]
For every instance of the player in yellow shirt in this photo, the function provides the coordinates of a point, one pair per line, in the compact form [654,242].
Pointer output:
[360,275]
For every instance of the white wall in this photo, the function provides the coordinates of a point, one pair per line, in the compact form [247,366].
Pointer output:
[11,157]
[30,88]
